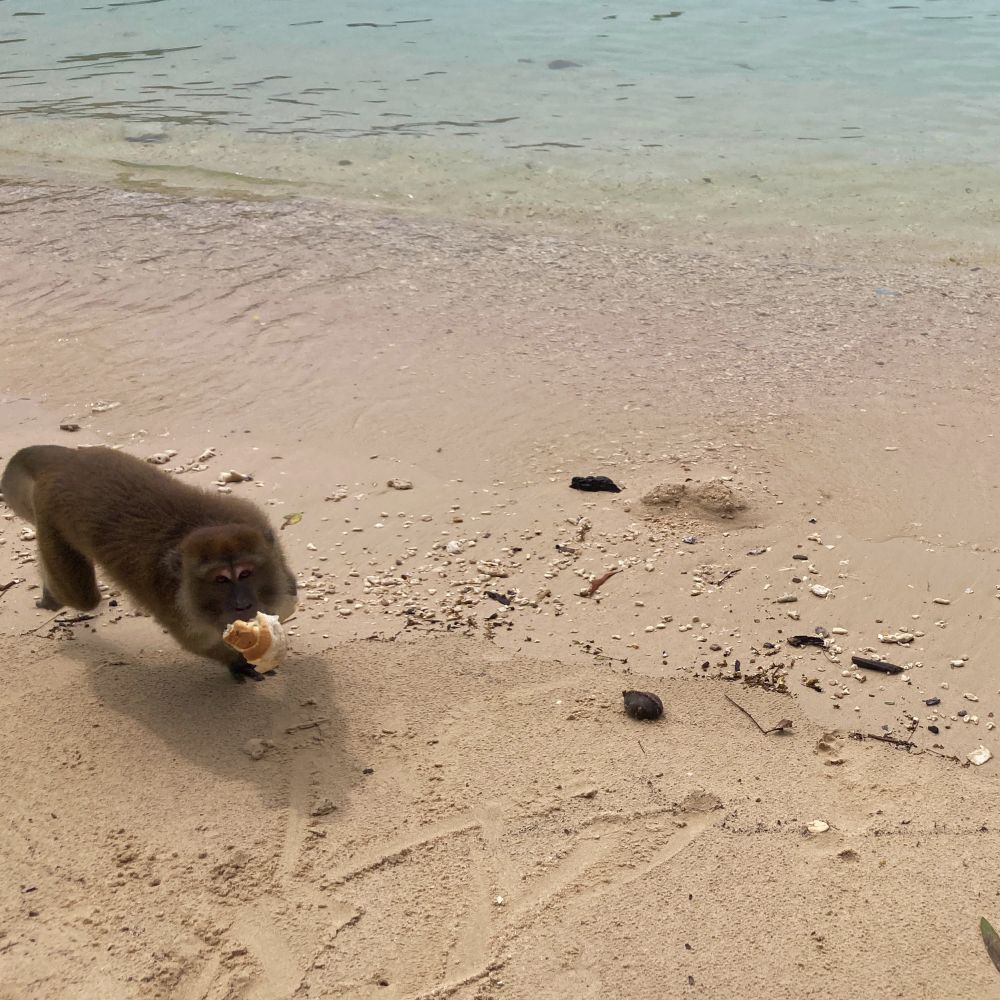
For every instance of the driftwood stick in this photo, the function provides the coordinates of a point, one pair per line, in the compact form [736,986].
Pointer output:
[880,665]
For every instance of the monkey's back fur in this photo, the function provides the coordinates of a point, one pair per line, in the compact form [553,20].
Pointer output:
[121,513]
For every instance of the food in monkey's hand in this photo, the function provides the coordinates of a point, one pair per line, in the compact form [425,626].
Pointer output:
[262,641]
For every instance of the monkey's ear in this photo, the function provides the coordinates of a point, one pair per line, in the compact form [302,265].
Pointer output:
[172,562]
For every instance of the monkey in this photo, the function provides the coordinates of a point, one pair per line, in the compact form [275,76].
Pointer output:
[196,561]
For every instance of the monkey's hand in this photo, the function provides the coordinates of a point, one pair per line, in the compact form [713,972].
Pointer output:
[241,670]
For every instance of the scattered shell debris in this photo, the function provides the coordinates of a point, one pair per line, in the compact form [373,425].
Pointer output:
[599,580]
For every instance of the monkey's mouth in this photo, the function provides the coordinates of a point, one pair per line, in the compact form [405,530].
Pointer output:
[238,616]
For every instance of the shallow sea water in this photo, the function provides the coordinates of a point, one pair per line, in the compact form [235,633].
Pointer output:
[814,110]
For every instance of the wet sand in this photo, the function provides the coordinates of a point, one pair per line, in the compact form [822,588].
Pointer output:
[517,834]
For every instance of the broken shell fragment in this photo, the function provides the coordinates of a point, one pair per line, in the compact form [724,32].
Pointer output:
[642,704]
[818,826]
[262,641]
[232,476]
[979,756]
[819,590]
[161,457]
[399,484]
[899,638]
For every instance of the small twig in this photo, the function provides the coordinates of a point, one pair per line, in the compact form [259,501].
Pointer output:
[891,740]
[312,724]
[4,587]
[725,576]
[774,729]
[746,713]
[600,581]
[641,747]
[76,619]
[42,624]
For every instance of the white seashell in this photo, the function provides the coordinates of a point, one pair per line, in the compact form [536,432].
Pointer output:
[979,756]
[453,548]
[818,826]
[819,590]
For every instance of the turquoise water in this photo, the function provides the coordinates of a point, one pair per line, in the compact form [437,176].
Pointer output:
[621,95]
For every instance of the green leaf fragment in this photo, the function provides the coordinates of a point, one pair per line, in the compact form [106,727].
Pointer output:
[992,941]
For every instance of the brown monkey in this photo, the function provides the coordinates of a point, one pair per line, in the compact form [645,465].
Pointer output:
[197,561]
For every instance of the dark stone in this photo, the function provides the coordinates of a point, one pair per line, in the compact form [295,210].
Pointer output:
[642,704]
[594,484]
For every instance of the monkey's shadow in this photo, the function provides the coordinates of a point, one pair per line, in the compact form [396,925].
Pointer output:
[198,712]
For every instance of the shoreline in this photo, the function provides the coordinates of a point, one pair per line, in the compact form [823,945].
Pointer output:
[907,207]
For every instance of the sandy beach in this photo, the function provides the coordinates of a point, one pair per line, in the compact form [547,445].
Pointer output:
[439,795]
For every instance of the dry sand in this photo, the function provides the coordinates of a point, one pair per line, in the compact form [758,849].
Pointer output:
[450,801]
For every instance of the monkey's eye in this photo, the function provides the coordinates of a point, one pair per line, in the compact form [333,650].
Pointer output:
[245,573]
[222,578]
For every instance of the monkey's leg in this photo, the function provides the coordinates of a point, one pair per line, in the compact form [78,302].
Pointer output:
[67,575]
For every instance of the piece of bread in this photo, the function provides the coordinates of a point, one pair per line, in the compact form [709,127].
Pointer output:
[261,641]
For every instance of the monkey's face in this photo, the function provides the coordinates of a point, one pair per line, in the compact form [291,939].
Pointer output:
[229,592]
[231,574]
